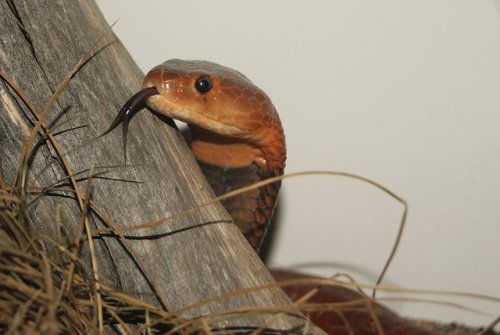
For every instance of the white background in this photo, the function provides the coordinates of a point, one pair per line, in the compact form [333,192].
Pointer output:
[404,92]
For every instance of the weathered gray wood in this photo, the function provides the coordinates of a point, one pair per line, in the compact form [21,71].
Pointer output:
[39,43]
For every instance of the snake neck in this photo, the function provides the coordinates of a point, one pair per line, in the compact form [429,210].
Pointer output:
[266,148]
[231,163]
[251,211]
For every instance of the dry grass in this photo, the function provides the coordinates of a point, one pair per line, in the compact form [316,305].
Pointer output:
[43,285]
[46,289]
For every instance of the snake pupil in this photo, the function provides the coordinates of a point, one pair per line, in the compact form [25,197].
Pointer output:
[203,84]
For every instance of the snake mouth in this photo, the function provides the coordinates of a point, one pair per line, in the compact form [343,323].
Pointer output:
[163,106]
[191,116]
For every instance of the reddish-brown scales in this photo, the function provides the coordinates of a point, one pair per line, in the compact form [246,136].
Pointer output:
[236,134]
[238,140]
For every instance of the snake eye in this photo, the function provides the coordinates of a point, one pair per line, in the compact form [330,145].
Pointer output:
[203,84]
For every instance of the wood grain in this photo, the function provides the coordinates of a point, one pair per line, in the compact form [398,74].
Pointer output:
[183,261]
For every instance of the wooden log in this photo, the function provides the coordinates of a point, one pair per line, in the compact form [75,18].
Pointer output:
[175,264]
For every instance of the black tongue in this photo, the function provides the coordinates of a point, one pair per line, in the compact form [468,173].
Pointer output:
[129,109]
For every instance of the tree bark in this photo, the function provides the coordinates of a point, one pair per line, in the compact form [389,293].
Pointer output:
[182,261]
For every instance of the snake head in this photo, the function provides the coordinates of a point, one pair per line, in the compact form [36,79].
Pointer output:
[208,95]
[225,111]
[219,104]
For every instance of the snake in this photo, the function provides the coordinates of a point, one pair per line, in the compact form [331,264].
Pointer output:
[236,134]
[237,139]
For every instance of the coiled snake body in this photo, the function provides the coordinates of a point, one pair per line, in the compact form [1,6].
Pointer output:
[236,134]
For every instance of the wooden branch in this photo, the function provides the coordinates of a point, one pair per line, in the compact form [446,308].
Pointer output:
[186,260]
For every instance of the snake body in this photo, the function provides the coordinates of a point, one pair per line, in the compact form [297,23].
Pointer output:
[238,140]
[236,133]
[252,210]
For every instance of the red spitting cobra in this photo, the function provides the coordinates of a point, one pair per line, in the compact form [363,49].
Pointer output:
[237,138]
[236,133]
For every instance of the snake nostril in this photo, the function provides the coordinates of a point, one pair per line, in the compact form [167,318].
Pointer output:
[203,84]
